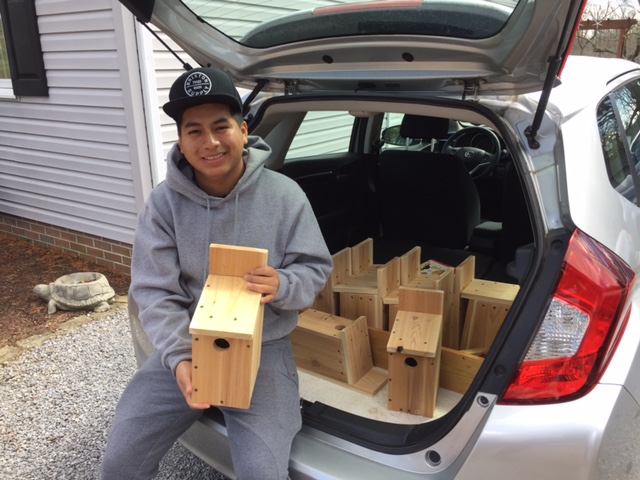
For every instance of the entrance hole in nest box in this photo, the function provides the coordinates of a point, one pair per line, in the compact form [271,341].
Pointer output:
[221,344]
[411,362]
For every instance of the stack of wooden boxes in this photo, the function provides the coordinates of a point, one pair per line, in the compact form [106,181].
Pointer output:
[429,325]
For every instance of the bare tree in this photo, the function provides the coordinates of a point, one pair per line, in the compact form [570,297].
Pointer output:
[611,29]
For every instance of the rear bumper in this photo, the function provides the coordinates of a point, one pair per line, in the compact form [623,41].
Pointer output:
[595,437]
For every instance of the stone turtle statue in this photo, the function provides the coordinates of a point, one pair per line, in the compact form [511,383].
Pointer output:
[77,291]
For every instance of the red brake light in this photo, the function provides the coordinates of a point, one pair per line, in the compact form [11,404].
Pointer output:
[580,330]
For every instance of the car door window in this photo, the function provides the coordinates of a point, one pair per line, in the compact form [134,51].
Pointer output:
[322,133]
[627,101]
[619,123]
[332,175]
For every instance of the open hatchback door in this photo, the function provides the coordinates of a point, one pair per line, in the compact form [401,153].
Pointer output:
[445,47]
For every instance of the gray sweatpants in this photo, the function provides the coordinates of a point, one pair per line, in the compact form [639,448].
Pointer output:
[152,414]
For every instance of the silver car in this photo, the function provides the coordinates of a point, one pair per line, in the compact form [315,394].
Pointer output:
[462,127]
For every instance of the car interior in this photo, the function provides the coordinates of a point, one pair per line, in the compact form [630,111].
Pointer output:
[435,181]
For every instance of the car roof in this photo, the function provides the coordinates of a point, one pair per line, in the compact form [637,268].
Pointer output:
[586,80]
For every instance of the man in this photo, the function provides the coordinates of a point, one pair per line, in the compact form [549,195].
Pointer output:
[217,191]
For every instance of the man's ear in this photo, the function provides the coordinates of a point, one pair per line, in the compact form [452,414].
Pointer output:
[245,132]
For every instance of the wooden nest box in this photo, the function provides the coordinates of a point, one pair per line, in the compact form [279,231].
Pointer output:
[337,348]
[415,347]
[227,329]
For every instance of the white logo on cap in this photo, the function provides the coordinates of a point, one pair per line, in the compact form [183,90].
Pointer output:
[197,84]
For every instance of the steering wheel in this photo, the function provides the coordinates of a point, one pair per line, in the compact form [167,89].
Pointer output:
[479,162]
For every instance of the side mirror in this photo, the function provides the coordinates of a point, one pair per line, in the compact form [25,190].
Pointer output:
[392,136]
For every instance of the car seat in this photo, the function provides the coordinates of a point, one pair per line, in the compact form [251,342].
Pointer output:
[427,129]
[425,196]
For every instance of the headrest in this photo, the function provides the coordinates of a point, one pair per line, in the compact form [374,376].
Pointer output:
[426,128]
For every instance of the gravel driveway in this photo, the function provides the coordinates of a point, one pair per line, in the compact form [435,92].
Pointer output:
[57,402]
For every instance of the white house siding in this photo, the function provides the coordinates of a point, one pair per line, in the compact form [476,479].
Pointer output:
[167,69]
[74,159]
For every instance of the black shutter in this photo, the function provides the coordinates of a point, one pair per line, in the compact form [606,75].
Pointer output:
[23,47]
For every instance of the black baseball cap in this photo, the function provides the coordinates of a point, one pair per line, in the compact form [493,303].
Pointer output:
[198,86]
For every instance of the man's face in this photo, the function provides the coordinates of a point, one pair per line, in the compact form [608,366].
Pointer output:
[212,142]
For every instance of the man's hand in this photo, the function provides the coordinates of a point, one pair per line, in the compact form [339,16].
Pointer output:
[264,280]
[183,377]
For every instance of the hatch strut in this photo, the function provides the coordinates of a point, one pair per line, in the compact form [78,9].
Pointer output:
[185,65]
[555,64]
[256,90]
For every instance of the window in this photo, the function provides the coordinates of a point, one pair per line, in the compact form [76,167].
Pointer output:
[322,133]
[619,125]
[628,102]
[22,70]
[6,89]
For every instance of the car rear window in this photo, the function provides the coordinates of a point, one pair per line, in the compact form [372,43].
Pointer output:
[267,24]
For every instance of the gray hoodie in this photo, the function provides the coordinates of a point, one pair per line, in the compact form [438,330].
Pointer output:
[178,223]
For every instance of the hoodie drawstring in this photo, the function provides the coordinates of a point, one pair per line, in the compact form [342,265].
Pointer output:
[205,273]
[235,220]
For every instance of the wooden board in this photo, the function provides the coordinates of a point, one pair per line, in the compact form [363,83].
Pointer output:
[463,275]
[421,300]
[354,305]
[226,308]
[373,381]
[416,333]
[234,261]
[388,277]
[482,322]
[362,256]
[410,266]
[355,341]
[365,283]
[379,338]
[458,368]
[495,292]
[327,300]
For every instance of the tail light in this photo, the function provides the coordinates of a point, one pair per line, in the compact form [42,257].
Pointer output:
[580,330]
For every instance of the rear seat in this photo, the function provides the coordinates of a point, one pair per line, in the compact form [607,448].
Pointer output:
[427,199]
